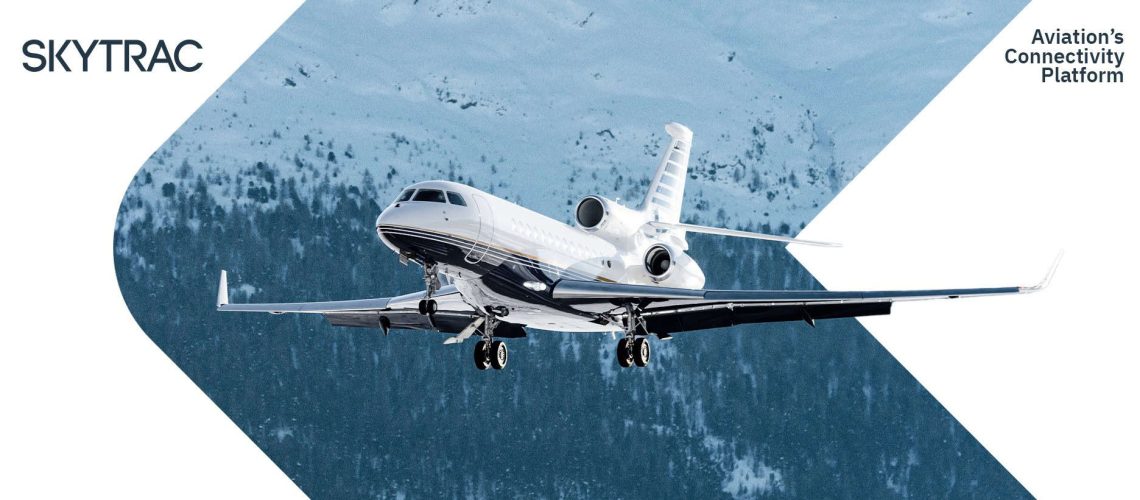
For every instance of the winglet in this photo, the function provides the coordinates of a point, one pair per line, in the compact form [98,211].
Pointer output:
[223,290]
[1044,283]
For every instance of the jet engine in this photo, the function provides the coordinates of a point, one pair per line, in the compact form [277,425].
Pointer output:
[608,219]
[658,262]
[667,265]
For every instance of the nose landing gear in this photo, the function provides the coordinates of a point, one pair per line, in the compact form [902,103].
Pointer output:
[432,284]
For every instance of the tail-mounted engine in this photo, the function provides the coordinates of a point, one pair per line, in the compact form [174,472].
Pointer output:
[666,264]
[658,262]
[608,219]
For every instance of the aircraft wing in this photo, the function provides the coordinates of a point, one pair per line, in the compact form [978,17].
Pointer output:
[400,312]
[671,310]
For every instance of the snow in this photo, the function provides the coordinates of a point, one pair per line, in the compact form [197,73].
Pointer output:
[546,104]
[245,290]
[750,477]
[282,432]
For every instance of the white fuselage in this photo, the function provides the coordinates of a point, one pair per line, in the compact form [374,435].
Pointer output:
[475,234]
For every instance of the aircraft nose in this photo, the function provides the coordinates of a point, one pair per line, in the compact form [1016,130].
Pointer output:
[393,215]
[386,216]
[385,219]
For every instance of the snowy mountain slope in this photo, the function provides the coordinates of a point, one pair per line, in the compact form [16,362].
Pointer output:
[547,104]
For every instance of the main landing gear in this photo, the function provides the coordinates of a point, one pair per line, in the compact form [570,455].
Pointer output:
[489,352]
[632,352]
[633,349]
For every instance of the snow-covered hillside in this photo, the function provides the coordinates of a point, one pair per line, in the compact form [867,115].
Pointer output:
[544,104]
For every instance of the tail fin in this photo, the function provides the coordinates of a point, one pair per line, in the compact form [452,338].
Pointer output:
[667,191]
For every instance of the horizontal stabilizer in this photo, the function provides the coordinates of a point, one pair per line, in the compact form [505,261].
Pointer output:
[693,228]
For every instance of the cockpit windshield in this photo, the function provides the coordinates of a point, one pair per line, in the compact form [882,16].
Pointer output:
[406,195]
[429,195]
[455,199]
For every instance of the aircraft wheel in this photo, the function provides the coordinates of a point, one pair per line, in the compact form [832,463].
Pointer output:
[641,352]
[482,360]
[624,356]
[498,355]
[428,307]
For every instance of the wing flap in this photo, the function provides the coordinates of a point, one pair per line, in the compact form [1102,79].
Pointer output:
[443,321]
[725,315]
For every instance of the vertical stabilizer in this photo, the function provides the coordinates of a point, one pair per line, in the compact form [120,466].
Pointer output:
[667,190]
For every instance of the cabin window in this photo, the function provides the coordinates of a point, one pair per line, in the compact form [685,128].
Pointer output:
[455,199]
[406,195]
[433,195]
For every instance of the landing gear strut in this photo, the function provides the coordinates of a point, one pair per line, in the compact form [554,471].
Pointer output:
[432,284]
[633,349]
[489,352]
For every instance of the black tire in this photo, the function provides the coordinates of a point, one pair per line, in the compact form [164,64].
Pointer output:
[641,352]
[481,359]
[499,355]
[624,356]
[423,307]
[431,306]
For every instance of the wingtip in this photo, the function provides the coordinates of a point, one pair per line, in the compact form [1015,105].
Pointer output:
[1044,283]
[223,290]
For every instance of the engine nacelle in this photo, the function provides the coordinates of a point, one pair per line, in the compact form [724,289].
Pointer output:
[658,262]
[608,219]
[669,266]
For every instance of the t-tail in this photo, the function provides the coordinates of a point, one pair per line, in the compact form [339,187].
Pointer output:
[666,196]
[667,191]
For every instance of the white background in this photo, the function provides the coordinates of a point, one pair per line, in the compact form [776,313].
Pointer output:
[996,175]
[91,407]
[981,189]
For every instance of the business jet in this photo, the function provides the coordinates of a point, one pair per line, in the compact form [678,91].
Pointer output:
[494,269]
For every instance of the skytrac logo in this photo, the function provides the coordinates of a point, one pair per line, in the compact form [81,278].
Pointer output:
[111,55]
